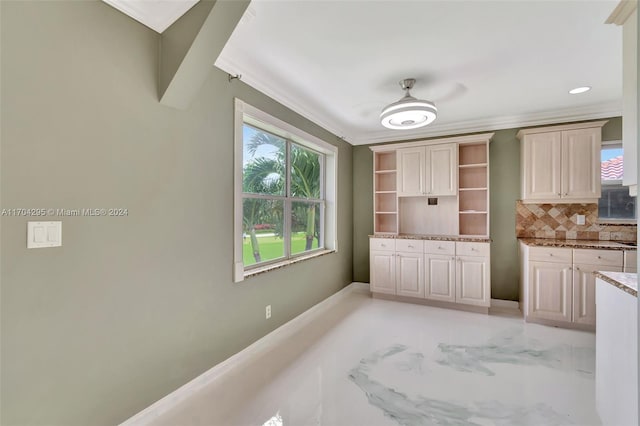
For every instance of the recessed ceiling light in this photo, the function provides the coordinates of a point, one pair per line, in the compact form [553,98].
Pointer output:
[581,89]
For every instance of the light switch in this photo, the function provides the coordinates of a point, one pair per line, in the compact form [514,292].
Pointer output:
[580,219]
[44,234]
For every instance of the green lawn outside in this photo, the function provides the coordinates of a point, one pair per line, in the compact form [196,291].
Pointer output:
[273,247]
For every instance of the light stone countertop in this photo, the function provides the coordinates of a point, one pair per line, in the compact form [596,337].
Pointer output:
[460,238]
[586,244]
[627,282]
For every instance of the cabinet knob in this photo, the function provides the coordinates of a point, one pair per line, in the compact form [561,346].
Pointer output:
[383,245]
[550,254]
[410,246]
[559,194]
[453,258]
[439,247]
[599,257]
[566,193]
[577,268]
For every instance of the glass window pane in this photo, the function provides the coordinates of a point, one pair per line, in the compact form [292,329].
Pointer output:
[305,173]
[263,162]
[262,225]
[305,226]
[615,203]
[611,163]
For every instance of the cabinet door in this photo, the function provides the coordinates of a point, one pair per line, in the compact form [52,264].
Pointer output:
[584,292]
[472,281]
[383,271]
[541,161]
[441,171]
[581,163]
[440,277]
[409,280]
[550,291]
[410,171]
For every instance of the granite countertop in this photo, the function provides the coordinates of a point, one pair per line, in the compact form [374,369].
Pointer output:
[461,238]
[593,244]
[625,281]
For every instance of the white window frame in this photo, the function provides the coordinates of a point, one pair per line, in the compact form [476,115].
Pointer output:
[616,182]
[246,113]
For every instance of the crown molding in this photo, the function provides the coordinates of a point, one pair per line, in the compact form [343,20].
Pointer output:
[591,112]
[263,85]
[621,13]
[567,115]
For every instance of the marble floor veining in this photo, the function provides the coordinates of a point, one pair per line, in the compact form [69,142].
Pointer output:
[377,362]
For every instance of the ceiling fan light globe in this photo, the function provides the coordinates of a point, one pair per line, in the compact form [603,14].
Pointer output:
[408,115]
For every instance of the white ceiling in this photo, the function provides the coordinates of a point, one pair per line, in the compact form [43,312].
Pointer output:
[155,14]
[486,64]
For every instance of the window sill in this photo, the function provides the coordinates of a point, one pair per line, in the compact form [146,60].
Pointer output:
[260,270]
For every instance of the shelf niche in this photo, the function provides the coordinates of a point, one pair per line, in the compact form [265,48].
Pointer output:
[473,194]
[385,196]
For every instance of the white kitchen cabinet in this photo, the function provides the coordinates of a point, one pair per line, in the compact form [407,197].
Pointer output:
[410,171]
[383,271]
[427,170]
[472,280]
[550,291]
[559,284]
[561,163]
[440,270]
[444,271]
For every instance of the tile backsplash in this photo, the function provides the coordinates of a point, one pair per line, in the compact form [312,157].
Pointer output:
[559,221]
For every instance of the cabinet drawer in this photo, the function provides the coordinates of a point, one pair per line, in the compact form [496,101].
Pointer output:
[598,257]
[551,254]
[384,244]
[472,249]
[440,247]
[410,246]
[630,261]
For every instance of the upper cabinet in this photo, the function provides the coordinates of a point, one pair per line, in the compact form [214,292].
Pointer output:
[561,163]
[437,186]
[427,170]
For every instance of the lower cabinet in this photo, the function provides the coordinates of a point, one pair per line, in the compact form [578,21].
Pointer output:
[446,271]
[559,285]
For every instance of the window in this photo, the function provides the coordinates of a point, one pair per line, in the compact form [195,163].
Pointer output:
[284,193]
[615,202]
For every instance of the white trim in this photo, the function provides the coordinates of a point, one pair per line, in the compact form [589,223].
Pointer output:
[245,112]
[484,137]
[258,348]
[506,304]
[572,126]
[621,13]
[354,137]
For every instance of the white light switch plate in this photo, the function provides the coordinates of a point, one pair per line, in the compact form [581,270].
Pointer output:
[44,234]
[580,219]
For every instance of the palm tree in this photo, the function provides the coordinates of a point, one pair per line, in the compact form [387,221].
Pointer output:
[305,176]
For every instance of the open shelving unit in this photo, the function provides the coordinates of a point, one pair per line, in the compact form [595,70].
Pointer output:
[473,191]
[385,201]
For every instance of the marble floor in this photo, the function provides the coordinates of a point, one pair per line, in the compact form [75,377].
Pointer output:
[375,362]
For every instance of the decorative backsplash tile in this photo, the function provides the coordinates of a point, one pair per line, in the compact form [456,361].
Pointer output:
[559,221]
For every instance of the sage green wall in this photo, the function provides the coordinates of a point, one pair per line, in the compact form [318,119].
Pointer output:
[504,152]
[129,308]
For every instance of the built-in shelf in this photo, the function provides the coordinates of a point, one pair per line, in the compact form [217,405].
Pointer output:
[473,190]
[470,166]
[385,195]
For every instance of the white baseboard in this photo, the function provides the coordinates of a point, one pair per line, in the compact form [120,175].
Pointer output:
[505,304]
[264,344]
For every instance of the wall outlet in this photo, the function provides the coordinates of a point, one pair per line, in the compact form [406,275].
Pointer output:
[267,311]
[580,219]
